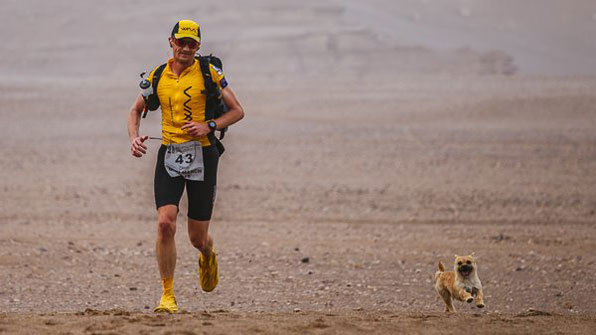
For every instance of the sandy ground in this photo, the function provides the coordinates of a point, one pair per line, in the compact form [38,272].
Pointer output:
[362,161]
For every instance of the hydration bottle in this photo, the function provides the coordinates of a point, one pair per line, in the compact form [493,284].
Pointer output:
[146,91]
[146,87]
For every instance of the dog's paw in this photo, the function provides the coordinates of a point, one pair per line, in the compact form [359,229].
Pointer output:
[480,305]
[470,300]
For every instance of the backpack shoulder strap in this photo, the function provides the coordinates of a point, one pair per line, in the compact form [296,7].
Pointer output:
[213,100]
[157,76]
[210,87]
[204,62]
[152,101]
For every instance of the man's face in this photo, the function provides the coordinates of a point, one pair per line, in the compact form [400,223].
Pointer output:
[184,49]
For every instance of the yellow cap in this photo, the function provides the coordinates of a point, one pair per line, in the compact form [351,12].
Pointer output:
[187,28]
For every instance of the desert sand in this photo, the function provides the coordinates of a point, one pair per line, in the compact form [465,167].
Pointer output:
[379,138]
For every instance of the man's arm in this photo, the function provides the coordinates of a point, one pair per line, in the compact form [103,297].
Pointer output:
[137,148]
[235,111]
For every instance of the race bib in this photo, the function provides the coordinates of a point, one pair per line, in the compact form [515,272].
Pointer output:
[186,160]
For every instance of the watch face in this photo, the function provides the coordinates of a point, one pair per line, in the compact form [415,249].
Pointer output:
[212,125]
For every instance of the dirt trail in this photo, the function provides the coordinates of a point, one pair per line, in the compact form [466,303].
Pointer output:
[360,164]
[339,322]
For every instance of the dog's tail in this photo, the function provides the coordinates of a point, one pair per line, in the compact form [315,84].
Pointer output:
[441,270]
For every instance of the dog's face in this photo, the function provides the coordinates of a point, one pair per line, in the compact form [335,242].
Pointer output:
[464,265]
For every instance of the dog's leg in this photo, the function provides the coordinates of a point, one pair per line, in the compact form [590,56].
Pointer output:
[479,300]
[448,301]
[465,295]
[450,308]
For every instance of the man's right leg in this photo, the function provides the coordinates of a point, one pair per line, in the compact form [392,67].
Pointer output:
[165,250]
[168,191]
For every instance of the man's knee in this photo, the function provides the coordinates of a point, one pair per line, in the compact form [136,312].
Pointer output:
[199,241]
[166,227]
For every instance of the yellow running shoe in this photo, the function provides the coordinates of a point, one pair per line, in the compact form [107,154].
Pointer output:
[208,272]
[167,304]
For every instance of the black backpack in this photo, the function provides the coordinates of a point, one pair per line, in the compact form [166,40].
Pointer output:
[214,104]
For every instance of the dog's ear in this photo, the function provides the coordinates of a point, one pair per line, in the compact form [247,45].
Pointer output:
[456,256]
[474,258]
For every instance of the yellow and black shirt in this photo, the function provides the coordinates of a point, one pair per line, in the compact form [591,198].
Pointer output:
[182,98]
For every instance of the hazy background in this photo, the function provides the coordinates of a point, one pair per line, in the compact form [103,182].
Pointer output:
[117,39]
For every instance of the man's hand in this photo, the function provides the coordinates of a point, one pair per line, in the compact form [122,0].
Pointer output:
[196,129]
[137,148]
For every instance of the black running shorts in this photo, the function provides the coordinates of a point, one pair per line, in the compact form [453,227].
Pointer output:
[201,194]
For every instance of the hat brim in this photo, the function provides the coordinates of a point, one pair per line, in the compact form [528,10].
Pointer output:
[181,36]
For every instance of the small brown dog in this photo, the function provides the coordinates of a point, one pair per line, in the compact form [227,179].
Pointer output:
[462,283]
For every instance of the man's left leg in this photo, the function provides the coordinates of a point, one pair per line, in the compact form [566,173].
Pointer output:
[198,232]
[201,199]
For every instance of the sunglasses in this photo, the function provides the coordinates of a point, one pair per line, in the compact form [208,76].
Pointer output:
[186,41]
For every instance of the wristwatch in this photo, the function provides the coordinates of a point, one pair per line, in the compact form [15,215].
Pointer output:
[212,125]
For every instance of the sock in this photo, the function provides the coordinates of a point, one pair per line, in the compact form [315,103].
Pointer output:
[168,286]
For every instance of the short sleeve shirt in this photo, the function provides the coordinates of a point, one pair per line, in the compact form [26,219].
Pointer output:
[183,99]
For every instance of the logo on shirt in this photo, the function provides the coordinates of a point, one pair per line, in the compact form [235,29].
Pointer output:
[187,109]
[218,70]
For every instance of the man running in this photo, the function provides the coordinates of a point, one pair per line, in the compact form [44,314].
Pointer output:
[188,156]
